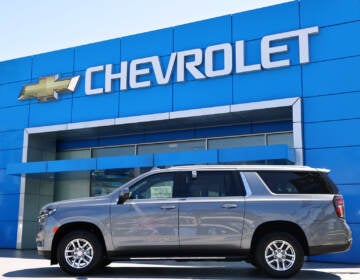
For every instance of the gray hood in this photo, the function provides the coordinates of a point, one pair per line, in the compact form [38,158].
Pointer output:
[87,201]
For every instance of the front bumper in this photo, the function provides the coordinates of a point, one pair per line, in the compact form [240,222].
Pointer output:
[45,236]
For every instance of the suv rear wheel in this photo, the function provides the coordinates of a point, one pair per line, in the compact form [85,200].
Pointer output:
[279,254]
[80,252]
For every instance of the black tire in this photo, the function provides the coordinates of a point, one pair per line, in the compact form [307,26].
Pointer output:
[254,264]
[105,263]
[285,255]
[85,252]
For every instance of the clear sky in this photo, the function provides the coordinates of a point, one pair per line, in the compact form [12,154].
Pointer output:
[30,27]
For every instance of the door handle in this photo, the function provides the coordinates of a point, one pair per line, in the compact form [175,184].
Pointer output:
[167,207]
[229,205]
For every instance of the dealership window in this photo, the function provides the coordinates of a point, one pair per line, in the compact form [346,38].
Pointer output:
[280,138]
[72,154]
[113,151]
[105,181]
[102,182]
[233,142]
[262,139]
[169,147]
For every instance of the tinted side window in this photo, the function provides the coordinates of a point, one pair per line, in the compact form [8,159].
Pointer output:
[154,187]
[288,182]
[213,184]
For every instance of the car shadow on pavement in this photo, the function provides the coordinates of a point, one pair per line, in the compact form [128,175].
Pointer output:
[27,254]
[167,272]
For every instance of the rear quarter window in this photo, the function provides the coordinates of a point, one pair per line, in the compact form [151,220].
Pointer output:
[291,182]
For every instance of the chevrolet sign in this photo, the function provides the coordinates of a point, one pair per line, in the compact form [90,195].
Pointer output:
[48,88]
[135,74]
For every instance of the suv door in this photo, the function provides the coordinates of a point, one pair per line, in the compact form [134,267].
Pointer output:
[211,214]
[147,222]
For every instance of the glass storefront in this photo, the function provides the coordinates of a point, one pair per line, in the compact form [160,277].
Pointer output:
[105,181]
[101,182]
[233,142]
[171,147]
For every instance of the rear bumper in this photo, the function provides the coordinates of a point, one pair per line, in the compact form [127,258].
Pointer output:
[327,249]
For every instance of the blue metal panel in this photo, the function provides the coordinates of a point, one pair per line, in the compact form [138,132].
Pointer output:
[159,43]
[25,168]
[344,163]
[11,139]
[9,94]
[8,232]
[266,85]
[351,195]
[342,38]
[351,256]
[203,33]
[256,153]
[332,107]
[223,131]
[43,64]
[9,184]
[252,51]
[9,207]
[10,156]
[330,77]
[50,113]
[66,145]
[97,107]
[274,19]
[137,102]
[97,79]
[15,70]
[203,93]
[332,134]
[191,157]
[324,12]
[125,162]
[170,136]
[106,52]
[71,165]
[13,118]
[271,127]
[127,139]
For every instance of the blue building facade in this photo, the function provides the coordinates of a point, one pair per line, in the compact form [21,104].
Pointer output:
[277,85]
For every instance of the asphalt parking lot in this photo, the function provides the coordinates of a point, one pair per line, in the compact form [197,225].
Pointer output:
[27,265]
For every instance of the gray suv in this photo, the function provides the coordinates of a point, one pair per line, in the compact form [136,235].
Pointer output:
[270,216]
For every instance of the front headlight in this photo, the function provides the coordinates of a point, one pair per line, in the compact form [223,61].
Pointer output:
[44,213]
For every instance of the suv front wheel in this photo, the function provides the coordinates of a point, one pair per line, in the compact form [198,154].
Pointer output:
[79,252]
[279,254]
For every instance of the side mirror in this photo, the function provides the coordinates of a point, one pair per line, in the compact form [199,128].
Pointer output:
[124,195]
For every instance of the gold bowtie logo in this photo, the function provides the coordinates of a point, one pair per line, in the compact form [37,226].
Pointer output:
[49,88]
